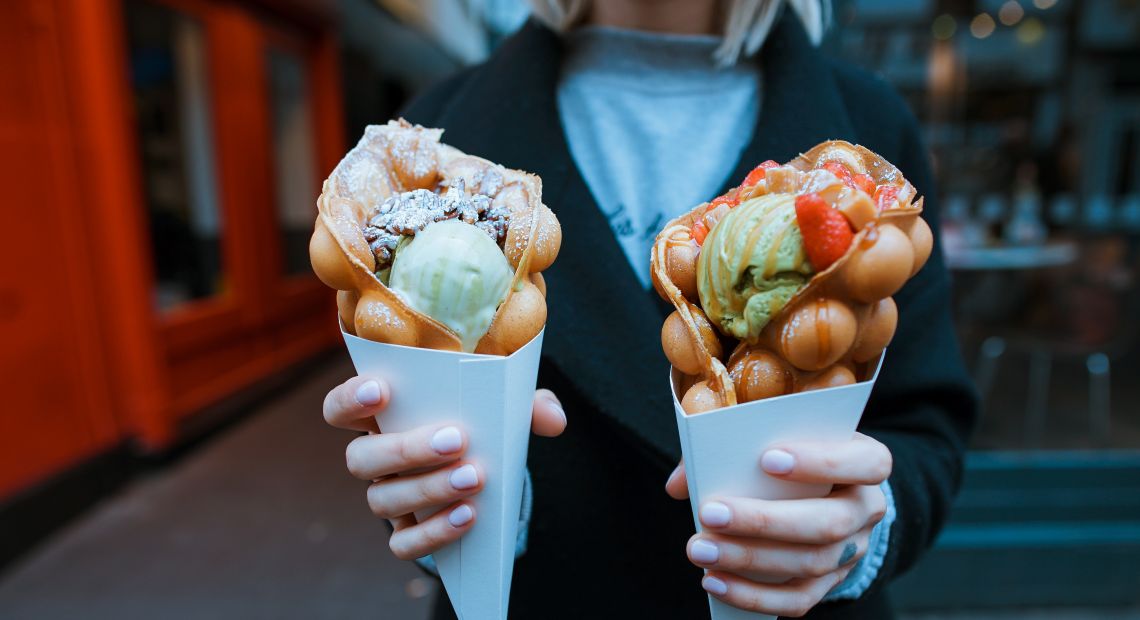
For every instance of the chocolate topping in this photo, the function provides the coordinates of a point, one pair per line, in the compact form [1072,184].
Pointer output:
[403,215]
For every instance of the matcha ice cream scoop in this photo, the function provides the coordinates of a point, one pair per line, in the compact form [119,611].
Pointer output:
[751,264]
[454,273]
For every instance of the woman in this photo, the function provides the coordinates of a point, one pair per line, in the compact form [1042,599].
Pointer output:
[632,111]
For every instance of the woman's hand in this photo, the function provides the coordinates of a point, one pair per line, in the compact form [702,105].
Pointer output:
[418,469]
[801,548]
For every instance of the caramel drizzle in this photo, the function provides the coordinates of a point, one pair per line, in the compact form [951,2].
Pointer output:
[822,331]
[718,378]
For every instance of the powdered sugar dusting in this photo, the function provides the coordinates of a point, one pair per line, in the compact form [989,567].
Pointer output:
[378,314]
[404,215]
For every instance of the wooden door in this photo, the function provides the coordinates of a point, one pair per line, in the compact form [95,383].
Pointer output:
[57,392]
[260,308]
[147,270]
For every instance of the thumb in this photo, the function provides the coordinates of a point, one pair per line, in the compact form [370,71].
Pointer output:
[547,417]
[677,486]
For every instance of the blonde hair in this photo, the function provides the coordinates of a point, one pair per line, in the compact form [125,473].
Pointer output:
[746,27]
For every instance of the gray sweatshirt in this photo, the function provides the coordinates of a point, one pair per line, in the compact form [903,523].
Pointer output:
[653,124]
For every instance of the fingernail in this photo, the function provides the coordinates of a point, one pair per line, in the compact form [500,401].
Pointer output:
[673,476]
[713,585]
[447,440]
[777,462]
[460,516]
[557,406]
[464,478]
[704,552]
[368,394]
[715,514]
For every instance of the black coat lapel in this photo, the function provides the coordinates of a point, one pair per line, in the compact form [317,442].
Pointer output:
[604,330]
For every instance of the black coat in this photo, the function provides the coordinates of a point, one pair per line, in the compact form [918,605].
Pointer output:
[605,540]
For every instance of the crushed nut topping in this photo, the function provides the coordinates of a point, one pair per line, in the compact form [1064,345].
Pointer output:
[403,215]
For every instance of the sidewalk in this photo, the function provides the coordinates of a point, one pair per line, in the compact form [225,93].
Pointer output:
[263,521]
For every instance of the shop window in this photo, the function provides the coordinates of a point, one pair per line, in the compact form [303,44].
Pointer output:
[170,86]
[1030,110]
[293,156]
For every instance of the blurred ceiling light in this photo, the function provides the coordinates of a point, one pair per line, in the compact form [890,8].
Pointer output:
[942,69]
[1044,4]
[943,27]
[1031,31]
[1011,13]
[982,25]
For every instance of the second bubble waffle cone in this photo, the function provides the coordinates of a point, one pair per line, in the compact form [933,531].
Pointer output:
[784,284]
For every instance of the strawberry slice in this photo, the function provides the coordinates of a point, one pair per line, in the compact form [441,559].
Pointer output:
[886,197]
[758,173]
[722,200]
[861,181]
[840,170]
[827,234]
[865,183]
[700,231]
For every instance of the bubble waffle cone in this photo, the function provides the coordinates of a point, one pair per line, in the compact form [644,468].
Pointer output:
[398,157]
[832,330]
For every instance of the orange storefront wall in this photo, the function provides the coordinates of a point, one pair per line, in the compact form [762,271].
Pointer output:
[87,361]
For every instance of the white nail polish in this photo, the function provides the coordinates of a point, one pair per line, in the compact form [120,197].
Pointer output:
[460,516]
[715,514]
[464,478]
[777,462]
[557,407]
[714,586]
[368,394]
[447,440]
[704,552]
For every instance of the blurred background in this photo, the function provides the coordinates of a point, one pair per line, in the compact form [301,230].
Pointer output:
[165,354]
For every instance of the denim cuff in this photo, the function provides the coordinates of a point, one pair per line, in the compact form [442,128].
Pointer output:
[863,574]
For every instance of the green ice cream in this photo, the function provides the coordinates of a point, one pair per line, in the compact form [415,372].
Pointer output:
[752,262]
[454,273]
